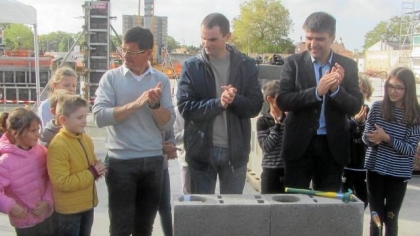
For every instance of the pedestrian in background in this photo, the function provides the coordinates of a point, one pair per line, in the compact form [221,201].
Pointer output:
[165,212]
[179,141]
[354,177]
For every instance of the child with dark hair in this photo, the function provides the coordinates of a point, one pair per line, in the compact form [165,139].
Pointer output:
[270,137]
[392,133]
[25,189]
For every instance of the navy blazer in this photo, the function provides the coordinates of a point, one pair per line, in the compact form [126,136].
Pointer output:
[297,96]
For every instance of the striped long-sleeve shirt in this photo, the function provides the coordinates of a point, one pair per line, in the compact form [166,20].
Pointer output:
[270,139]
[396,158]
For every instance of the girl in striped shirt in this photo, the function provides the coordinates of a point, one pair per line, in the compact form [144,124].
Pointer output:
[392,133]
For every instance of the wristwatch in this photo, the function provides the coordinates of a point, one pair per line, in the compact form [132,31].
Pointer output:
[156,106]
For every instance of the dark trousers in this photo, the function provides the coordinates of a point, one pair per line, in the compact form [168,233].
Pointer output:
[134,188]
[272,180]
[356,182]
[165,212]
[316,164]
[77,224]
[386,195]
[45,228]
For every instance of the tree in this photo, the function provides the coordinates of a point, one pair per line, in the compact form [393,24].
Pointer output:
[386,30]
[172,43]
[262,26]
[193,49]
[115,41]
[18,36]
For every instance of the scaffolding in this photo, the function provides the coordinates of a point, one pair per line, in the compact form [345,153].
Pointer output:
[168,66]
[410,34]
[97,45]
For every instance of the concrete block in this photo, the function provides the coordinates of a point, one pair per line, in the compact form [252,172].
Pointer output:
[302,215]
[221,215]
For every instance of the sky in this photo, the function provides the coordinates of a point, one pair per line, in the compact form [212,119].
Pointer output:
[354,17]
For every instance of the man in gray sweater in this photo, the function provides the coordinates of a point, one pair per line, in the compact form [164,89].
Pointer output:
[133,102]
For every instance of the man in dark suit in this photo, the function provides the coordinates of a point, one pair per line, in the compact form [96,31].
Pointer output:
[318,88]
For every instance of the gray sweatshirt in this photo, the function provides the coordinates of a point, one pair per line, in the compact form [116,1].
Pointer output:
[48,133]
[138,135]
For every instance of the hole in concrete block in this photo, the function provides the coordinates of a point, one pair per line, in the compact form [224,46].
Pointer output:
[257,196]
[315,200]
[219,197]
[285,198]
[221,201]
[191,198]
[260,201]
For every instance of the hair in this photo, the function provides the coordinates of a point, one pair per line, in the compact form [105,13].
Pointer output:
[410,102]
[20,120]
[55,96]
[217,19]
[320,22]
[141,36]
[365,85]
[271,89]
[3,120]
[59,74]
[69,103]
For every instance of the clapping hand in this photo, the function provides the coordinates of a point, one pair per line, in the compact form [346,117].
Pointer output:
[338,72]
[228,95]
[378,135]
[361,116]
[154,94]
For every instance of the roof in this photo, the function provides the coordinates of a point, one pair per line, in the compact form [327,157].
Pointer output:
[15,12]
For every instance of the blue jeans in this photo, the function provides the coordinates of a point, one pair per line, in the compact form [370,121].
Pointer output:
[231,180]
[134,188]
[165,205]
[78,224]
